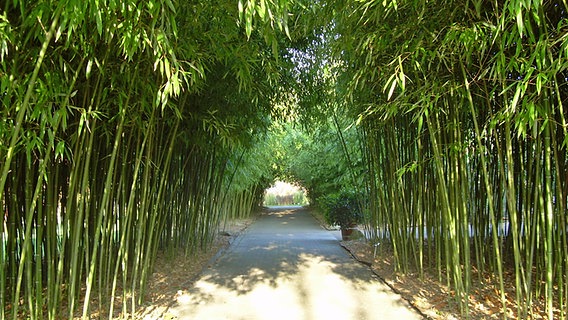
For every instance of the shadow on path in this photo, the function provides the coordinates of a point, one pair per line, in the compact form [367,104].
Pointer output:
[285,266]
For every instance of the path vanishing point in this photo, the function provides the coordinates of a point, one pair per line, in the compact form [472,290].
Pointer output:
[286,266]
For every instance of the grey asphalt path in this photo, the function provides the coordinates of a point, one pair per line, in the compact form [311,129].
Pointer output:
[286,266]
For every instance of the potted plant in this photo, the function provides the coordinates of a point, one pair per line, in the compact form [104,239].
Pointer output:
[343,210]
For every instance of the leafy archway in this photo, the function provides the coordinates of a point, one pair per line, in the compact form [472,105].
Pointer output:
[129,127]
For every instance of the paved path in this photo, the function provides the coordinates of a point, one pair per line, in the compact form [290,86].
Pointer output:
[285,266]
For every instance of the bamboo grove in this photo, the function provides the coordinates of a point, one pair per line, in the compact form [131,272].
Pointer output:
[134,128]
[126,127]
[463,109]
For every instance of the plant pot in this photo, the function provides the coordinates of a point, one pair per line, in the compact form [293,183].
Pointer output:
[346,233]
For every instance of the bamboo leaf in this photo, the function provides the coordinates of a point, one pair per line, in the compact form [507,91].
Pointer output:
[541,79]
[60,150]
[88,68]
[520,23]
[171,5]
[516,98]
[99,21]
[262,10]
[391,90]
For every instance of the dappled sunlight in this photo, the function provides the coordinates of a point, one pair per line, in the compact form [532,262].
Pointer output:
[310,288]
[283,211]
[287,267]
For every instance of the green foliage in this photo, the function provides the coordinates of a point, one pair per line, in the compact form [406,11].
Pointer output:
[342,209]
[300,198]
[315,160]
[442,118]
[126,127]
[461,129]
[296,198]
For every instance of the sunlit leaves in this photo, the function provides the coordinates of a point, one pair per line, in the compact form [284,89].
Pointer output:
[159,95]
[490,72]
[6,36]
[316,159]
[269,12]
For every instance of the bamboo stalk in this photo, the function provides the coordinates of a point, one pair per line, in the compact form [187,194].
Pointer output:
[489,189]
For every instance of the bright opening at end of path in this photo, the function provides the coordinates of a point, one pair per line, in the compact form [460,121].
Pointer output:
[285,194]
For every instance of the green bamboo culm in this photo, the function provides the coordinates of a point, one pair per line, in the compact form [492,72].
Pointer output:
[135,129]
[117,140]
[471,106]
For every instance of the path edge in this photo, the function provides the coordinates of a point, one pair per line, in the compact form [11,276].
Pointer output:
[383,280]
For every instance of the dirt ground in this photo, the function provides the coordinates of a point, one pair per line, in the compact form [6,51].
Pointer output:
[434,298]
[173,273]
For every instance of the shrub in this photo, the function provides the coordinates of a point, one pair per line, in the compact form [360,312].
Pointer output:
[341,209]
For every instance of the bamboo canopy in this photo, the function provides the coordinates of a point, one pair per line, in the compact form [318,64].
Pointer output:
[129,128]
